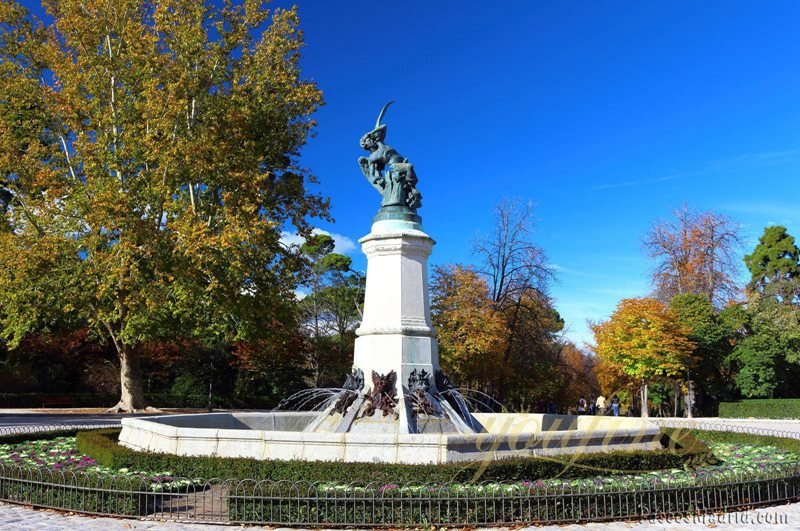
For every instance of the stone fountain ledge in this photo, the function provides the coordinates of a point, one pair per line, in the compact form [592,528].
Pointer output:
[279,435]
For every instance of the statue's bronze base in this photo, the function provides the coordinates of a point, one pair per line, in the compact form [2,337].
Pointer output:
[401,213]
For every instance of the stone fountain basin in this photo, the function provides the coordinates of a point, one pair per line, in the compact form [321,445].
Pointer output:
[280,435]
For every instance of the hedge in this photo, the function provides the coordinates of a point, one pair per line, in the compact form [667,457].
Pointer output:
[768,408]
[102,446]
[89,495]
[459,511]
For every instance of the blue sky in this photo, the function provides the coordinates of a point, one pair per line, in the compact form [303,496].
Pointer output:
[607,115]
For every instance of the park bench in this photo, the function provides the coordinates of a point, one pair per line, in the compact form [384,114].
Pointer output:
[57,401]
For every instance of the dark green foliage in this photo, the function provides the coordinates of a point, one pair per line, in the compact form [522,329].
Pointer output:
[711,337]
[774,408]
[775,266]
[87,497]
[330,311]
[102,446]
[459,510]
[766,357]
[759,358]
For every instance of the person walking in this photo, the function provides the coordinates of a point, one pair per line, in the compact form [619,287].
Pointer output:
[592,405]
[600,404]
[581,406]
[615,405]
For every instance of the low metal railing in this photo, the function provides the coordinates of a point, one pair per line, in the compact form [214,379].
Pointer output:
[725,426]
[22,429]
[372,504]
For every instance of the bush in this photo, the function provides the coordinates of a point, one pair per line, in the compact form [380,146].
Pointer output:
[770,408]
[86,493]
[102,446]
[378,509]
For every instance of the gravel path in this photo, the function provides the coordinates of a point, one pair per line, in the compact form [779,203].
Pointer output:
[778,518]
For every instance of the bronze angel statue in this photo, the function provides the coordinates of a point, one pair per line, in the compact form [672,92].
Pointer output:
[387,171]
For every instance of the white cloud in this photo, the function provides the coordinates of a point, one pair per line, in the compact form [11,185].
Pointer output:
[343,244]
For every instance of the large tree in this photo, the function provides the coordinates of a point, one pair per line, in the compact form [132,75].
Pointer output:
[695,253]
[643,341]
[774,266]
[712,340]
[331,310]
[577,375]
[148,149]
[471,332]
[766,356]
[517,274]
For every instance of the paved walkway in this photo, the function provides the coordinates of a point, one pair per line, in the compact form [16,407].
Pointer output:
[778,518]
[783,518]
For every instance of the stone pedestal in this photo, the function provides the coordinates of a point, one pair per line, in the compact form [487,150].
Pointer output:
[396,332]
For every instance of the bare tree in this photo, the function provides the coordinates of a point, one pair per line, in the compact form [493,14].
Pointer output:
[695,253]
[518,276]
[512,263]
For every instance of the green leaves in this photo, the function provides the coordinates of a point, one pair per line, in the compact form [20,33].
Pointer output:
[148,150]
[643,340]
[775,266]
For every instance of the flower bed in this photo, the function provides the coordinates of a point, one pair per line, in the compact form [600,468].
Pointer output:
[61,455]
[54,473]
[51,472]
[746,474]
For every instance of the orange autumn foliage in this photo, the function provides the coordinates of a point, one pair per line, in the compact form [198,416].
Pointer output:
[471,332]
[642,341]
[695,253]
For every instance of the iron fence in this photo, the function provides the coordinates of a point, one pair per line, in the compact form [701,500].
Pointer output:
[725,426]
[23,429]
[182,499]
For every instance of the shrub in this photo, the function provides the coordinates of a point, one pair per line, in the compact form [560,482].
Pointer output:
[102,446]
[84,494]
[770,408]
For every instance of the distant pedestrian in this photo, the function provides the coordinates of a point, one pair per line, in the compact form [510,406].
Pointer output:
[551,408]
[592,405]
[600,404]
[615,405]
[581,406]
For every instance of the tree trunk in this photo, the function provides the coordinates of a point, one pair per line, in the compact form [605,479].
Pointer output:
[130,379]
[677,399]
[645,412]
